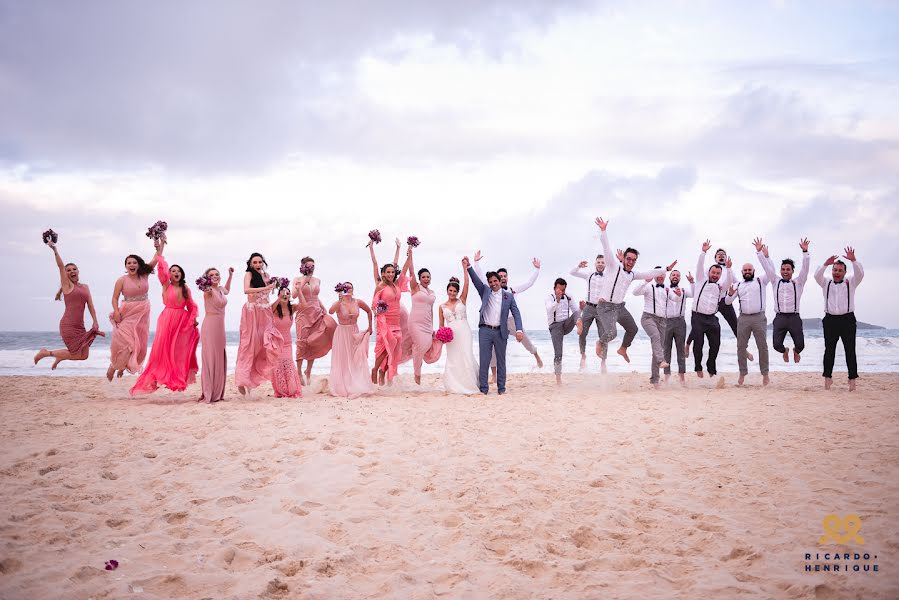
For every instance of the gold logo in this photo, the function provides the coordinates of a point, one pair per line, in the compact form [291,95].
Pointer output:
[833,525]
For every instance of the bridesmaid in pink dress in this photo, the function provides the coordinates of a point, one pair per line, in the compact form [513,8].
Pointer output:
[71,327]
[253,362]
[389,339]
[315,329]
[173,357]
[349,352]
[212,338]
[131,319]
[420,341]
[285,379]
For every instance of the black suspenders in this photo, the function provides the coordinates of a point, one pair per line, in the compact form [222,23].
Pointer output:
[614,283]
[795,295]
[589,282]
[848,297]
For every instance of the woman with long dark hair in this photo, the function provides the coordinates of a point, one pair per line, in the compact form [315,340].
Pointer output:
[131,318]
[253,361]
[212,337]
[419,341]
[315,328]
[71,327]
[285,379]
[173,358]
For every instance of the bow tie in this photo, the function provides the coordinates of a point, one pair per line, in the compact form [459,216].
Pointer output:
[598,273]
[785,281]
[661,285]
[837,282]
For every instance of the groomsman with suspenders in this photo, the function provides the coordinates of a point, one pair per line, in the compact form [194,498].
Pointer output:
[752,320]
[839,309]
[675,324]
[561,315]
[787,294]
[709,285]
[588,313]
[654,322]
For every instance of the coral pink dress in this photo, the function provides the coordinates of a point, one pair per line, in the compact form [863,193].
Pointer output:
[173,358]
[130,336]
[315,327]
[389,329]
[284,376]
[253,360]
[212,344]
[71,326]
[349,356]
[419,342]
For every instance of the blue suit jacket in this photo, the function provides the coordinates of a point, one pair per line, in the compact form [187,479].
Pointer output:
[508,304]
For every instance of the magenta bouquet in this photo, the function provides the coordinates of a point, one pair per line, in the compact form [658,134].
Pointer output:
[444,334]
[279,282]
[204,283]
[413,241]
[341,288]
[307,270]
[375,236]
[381,306]
[157,230]
[50,236]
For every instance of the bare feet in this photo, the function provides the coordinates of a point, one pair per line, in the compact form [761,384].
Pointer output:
[623,352]
[664,365]
[308,376]
[418,379]
[795,356]
[110,372]
[851,385]
[539,362]
[741,379]
[55,362]
[683,380]
[787,355]
[41,354]
[242,390]
[558,379]
[828,381]
[120,373]
[382,375]
[657,386]
[765,379]
[583,361]
[600,349]
[700,374]
[374,375]
[602,368]
[750,356]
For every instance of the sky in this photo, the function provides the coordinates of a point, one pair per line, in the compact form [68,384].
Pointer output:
[293,128]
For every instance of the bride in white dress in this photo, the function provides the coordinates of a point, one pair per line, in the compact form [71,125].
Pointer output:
[460,375]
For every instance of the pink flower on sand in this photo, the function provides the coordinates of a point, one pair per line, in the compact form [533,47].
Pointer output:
[112,565]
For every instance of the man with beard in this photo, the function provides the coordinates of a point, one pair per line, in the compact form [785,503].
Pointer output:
[787,293]
[675,324]
[839,317]
[588,312]
[705,308]
[752,320]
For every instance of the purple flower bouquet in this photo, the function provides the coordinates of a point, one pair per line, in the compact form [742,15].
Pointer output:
[307,270]
[413,241]
[375,236]
[157,231]
[381,306]
[204,283]
[50,236]
[341,288]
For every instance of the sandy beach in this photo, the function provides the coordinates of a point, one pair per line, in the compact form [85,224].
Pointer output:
[602,488]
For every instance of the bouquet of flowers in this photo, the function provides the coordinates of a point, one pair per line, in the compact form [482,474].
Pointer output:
[204,283]
[279,282]
[157,231]
[50,236]
[444,334]
[375,236]
[307,269]
[341,288]
[381,306]
[413,241]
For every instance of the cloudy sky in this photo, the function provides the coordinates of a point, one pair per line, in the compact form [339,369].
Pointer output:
[293,128]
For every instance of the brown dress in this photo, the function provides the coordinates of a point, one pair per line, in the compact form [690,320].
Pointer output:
[71,326]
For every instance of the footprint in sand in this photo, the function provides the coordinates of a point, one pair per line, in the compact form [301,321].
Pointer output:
[229,501]
[175,518]
[109,475]
[116,523]
[49,469]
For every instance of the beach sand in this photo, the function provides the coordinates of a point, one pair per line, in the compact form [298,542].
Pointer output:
[602,488]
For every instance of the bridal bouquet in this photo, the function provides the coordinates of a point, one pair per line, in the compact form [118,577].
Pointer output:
[50,236]
[444,334]
[204,283]
[157,230]
[279,282]
[375,236]
[307,269]
[381,306]
[413,241]
[342,288]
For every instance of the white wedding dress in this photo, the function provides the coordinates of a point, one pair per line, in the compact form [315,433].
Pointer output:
[460,375]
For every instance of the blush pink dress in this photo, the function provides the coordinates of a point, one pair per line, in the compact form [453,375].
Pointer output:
[71,326]
[253,360]
[389,329]
[284,376]
[130,336]
[315,327]
[419,342]
[212,345]
[173,358]
[349,356]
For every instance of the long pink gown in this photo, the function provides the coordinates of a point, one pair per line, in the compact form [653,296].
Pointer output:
[173,358]
[349,356]
[315,327]
[212,345]
[71,326]
[253,360]
[419,342]
[389,333]
[284,376]
[130,336]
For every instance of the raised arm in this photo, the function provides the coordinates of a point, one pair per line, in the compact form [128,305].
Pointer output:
[806,263]
[701,274]
[819,272]
[858,273]
[611,261]
[530,282]
[228,283]
[640,290]
[576,272]
[478,284]
[65,283]
[162,272]
[374,263]
[464,295]
[159,249]
[413,279]
[477,265]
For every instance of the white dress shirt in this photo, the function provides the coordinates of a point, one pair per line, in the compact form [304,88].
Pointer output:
[492,310]
[787,294]
[616,280]
[675,304]
[751,294]
[558,311]
[594,283]
[518,288]
[706,299]
[655,297]
[839,298]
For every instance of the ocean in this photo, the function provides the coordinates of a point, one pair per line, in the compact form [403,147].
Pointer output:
[878,352]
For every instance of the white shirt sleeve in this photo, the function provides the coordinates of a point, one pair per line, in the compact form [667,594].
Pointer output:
[803,272]
[527,284]
[577,272]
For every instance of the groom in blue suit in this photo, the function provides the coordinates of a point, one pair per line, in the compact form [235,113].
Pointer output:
[493,328]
